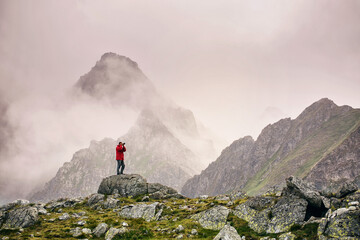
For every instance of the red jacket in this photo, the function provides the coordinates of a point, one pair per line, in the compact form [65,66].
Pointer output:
[120,149]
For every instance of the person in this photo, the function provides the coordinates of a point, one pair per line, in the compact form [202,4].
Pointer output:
[120,149]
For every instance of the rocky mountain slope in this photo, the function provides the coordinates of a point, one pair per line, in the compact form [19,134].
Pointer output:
[128,207]
[165,144]
[323,133]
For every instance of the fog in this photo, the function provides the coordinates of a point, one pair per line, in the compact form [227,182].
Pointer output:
[238,65]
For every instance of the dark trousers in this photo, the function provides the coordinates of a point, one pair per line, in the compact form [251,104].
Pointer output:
[120,164]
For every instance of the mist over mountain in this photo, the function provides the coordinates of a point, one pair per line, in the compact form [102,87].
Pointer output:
[166,144]
[321,144]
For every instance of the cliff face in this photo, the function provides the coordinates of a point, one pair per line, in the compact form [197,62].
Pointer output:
[289,147]
[164,145]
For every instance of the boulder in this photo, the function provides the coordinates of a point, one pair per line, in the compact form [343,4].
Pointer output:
[340,224]
[65,216]
[21,217]
[112,232]
[287,236]
[273,218]
[236,195]
[134,185]
[149,212]
[76,232]
[339,189]
[95,198]
[125,184]
[213,218]
[227,233]
[110,203]
[100,229]
[304,190]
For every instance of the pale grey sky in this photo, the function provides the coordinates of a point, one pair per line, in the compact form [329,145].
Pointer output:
[238,65]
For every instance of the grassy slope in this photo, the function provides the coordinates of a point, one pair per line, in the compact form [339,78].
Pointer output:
[138,228]
[308,152]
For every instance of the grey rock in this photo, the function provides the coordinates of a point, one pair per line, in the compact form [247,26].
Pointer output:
[236,195]
[273,219]
[304,190]
[354,203]
[180,236]
[95,198]
[21,217]
[339,189]
[110,234]
[125,184]
[340,224]
[100,229]
[86,231]
[65,216]
[222,198]
[203,197]
[227,233]
[76,232]
[213,218]
[145,199]
[81,222]
[194,232]
[287,236]
[179,229]
[125,224]
[110,203]
[149,212]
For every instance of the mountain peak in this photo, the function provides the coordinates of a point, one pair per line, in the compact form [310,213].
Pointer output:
[116,58]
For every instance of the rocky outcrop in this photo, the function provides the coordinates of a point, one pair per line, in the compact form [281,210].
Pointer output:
[20,217]
[134,185]
[149,212]
[263,216]
[343,223]
[213,218]
[228,233]
[322,143]
[304,190]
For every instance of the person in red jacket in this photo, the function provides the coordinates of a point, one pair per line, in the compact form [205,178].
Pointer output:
[120,149]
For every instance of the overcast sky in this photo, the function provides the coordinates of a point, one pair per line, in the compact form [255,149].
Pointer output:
[238,65]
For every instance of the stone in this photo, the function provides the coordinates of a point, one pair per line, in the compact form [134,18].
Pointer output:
[21,202]
[149,212]
[145,199]
[273,219]
[287,236]
[100,229]
[76,232]
[125,184]
[304,190]
[354,203]
[236,195]
[222,198]
[194,232]
[227,233]
[95,198]
[125,224]
[81,222]
[340,224]
[203,197]
[65,216]
[21,217]
[110,234]
[339,189]
[213,218]
[179,229]
[110,203]
[180,236]
[86,231]
[352,208]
